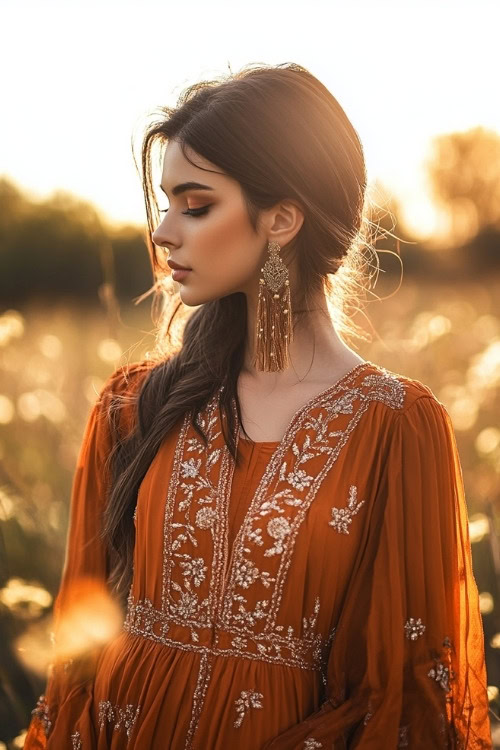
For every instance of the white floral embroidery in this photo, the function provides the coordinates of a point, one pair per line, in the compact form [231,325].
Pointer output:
[441,674]
[76,740]
[311,744]
[278,528]
[186,606]
[414,628]
[190,468]
[194,568]
[246,573]
[248,699]
[205,518]
[299,479]
[342,517]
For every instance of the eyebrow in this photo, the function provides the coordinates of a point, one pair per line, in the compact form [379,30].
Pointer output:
[187,186]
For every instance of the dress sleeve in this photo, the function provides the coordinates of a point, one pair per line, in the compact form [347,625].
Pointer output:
[85,571]
[407,668]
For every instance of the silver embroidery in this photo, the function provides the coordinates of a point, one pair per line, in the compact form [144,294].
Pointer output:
[441,674]
[248,699]
[403,736]
[306,650]
[41,712]
[122,717]
[311,744]
[190,468]
[205,518]
[278,528]
[200,690]
[368,715]
[193,569]
[76,740]
[414,628]
[342,517]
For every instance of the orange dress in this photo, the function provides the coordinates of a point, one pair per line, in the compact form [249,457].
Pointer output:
[318,594]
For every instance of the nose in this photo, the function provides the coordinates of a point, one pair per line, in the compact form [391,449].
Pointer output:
[160,238]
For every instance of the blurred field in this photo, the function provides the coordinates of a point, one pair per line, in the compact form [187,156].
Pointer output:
[53,362]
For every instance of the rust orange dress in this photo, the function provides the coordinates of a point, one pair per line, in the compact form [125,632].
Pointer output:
[318,594]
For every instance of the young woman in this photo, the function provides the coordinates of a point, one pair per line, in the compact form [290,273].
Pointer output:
[283,521]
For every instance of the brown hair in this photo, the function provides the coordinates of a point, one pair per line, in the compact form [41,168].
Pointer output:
[280,133]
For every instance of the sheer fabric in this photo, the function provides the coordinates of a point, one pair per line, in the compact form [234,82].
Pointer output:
[317,594]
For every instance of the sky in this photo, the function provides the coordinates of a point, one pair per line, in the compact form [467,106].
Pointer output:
[82,78]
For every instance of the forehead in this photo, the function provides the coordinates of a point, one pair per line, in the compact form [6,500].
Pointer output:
[176,168]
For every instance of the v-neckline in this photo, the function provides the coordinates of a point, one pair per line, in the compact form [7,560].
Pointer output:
[307,405]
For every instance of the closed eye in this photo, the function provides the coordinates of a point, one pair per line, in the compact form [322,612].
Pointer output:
[191,211]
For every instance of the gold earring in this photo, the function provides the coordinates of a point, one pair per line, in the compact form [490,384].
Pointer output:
[273,330]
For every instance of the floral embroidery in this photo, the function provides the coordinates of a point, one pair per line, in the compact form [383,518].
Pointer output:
[76,740]
[205,518]
[311,744]
[307,650]
[194,568]
[190,468]
[414,628]
[41,712]
[246,573]
[278,528]
[123,717]
[342,517]
[439,672]
[248,699]
[205,586]
[286,505]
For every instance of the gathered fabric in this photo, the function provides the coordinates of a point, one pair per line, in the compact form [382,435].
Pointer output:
[317,593]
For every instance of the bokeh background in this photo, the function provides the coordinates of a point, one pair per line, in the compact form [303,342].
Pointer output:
[419,81]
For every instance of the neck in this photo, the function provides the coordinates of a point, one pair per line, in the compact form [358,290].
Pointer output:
[316,351]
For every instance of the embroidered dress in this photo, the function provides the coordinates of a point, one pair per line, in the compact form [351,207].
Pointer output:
[317,594]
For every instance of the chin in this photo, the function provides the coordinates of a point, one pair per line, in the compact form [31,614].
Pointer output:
[193,298]
[193,295]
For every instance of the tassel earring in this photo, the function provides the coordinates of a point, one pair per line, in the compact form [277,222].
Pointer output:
[273,330]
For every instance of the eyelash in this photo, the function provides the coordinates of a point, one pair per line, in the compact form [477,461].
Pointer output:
[191,211]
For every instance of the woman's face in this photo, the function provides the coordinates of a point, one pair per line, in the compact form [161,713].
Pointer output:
[219,245]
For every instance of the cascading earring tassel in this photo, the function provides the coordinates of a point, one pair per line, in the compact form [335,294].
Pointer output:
[273,330]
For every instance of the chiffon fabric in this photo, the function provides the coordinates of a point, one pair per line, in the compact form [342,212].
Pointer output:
[317,593]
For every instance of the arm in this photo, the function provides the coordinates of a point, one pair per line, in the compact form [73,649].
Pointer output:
[85,571]
[406,668]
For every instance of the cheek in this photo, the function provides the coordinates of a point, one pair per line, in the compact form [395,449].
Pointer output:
[227,244]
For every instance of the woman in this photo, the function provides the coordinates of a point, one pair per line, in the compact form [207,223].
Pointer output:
[283,522]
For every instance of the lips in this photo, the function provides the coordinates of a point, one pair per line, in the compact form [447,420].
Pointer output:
[177,266]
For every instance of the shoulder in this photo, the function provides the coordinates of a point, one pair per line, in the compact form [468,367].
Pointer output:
[116,403]
[408,409]
[126,379]
[423,425]
[406,391]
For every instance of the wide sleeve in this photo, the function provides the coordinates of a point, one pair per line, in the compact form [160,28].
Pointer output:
[83,588]
[406,668]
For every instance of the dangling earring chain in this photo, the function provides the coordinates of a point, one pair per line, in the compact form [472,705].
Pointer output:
[273,330]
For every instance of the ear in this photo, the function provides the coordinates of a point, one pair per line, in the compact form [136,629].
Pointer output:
[284,221]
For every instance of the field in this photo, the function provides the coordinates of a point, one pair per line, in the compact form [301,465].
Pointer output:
[53,362]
